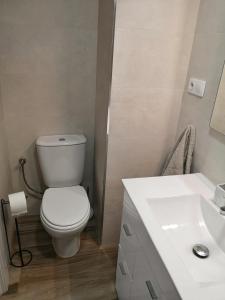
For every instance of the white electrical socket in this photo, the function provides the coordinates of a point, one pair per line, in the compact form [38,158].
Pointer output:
[197,87]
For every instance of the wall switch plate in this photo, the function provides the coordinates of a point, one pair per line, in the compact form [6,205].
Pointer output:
[197,87]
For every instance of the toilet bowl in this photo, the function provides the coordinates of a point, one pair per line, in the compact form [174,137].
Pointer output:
[64,214]
[65,207]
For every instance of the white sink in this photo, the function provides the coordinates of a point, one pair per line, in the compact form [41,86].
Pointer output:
[178,212]
[189,220]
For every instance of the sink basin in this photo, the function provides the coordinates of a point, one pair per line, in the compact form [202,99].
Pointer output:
[190,220]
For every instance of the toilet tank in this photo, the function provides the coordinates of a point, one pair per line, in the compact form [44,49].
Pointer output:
[61,159]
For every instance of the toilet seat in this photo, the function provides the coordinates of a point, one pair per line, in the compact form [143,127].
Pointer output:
[65,209]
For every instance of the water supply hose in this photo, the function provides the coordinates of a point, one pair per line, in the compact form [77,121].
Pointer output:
[22,162]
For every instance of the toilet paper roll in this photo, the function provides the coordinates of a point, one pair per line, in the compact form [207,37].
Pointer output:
[18,204]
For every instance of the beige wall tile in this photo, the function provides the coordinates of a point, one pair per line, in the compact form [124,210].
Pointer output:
[207,62]
[177,16]
[47,77]
[153,42]
[135,112]
[5,189]
[136,64]
[5,182]
[51,13]
[111,228]
[211,17]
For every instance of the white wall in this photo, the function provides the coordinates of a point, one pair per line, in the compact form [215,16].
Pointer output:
[153,41]
[207,61]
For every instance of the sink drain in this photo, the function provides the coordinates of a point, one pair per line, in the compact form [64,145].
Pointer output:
[200,251]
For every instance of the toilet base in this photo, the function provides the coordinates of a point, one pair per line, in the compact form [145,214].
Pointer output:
[66,247]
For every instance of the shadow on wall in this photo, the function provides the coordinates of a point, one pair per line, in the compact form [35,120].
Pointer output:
[33,176]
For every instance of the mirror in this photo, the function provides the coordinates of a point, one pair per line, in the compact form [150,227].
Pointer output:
[218,115]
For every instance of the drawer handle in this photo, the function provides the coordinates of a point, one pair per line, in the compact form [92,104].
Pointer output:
[122,269]
[151,290]
[127,230]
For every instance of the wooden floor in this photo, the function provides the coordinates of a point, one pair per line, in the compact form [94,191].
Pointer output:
[88,275]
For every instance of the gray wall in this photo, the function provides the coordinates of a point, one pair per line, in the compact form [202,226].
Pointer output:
[5,179]
[5,189]
[207,61]
[104,74]
[48,52]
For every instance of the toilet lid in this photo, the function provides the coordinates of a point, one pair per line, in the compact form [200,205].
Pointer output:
[65,206]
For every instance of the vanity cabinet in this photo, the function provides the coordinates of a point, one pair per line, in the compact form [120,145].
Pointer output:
[141,274]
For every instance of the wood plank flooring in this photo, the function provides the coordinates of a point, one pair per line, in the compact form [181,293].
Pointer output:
[90,275]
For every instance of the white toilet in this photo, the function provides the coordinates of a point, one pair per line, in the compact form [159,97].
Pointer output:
[65,207]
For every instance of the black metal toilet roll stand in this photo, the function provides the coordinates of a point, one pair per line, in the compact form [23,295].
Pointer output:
[21,252]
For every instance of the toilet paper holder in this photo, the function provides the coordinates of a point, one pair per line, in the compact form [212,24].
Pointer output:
[24,261]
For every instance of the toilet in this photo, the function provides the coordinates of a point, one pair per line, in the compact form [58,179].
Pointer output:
[65,207]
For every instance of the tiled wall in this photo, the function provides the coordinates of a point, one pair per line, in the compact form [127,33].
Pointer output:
[104,74]
[5,189]
[153,41]
[207,61]
[5,179]
[47,76]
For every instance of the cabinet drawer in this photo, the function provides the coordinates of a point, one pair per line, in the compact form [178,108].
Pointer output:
[145,286]
[123,278]
[128,238]
[141,273]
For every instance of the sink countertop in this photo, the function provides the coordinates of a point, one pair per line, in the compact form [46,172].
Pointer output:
[140,189]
